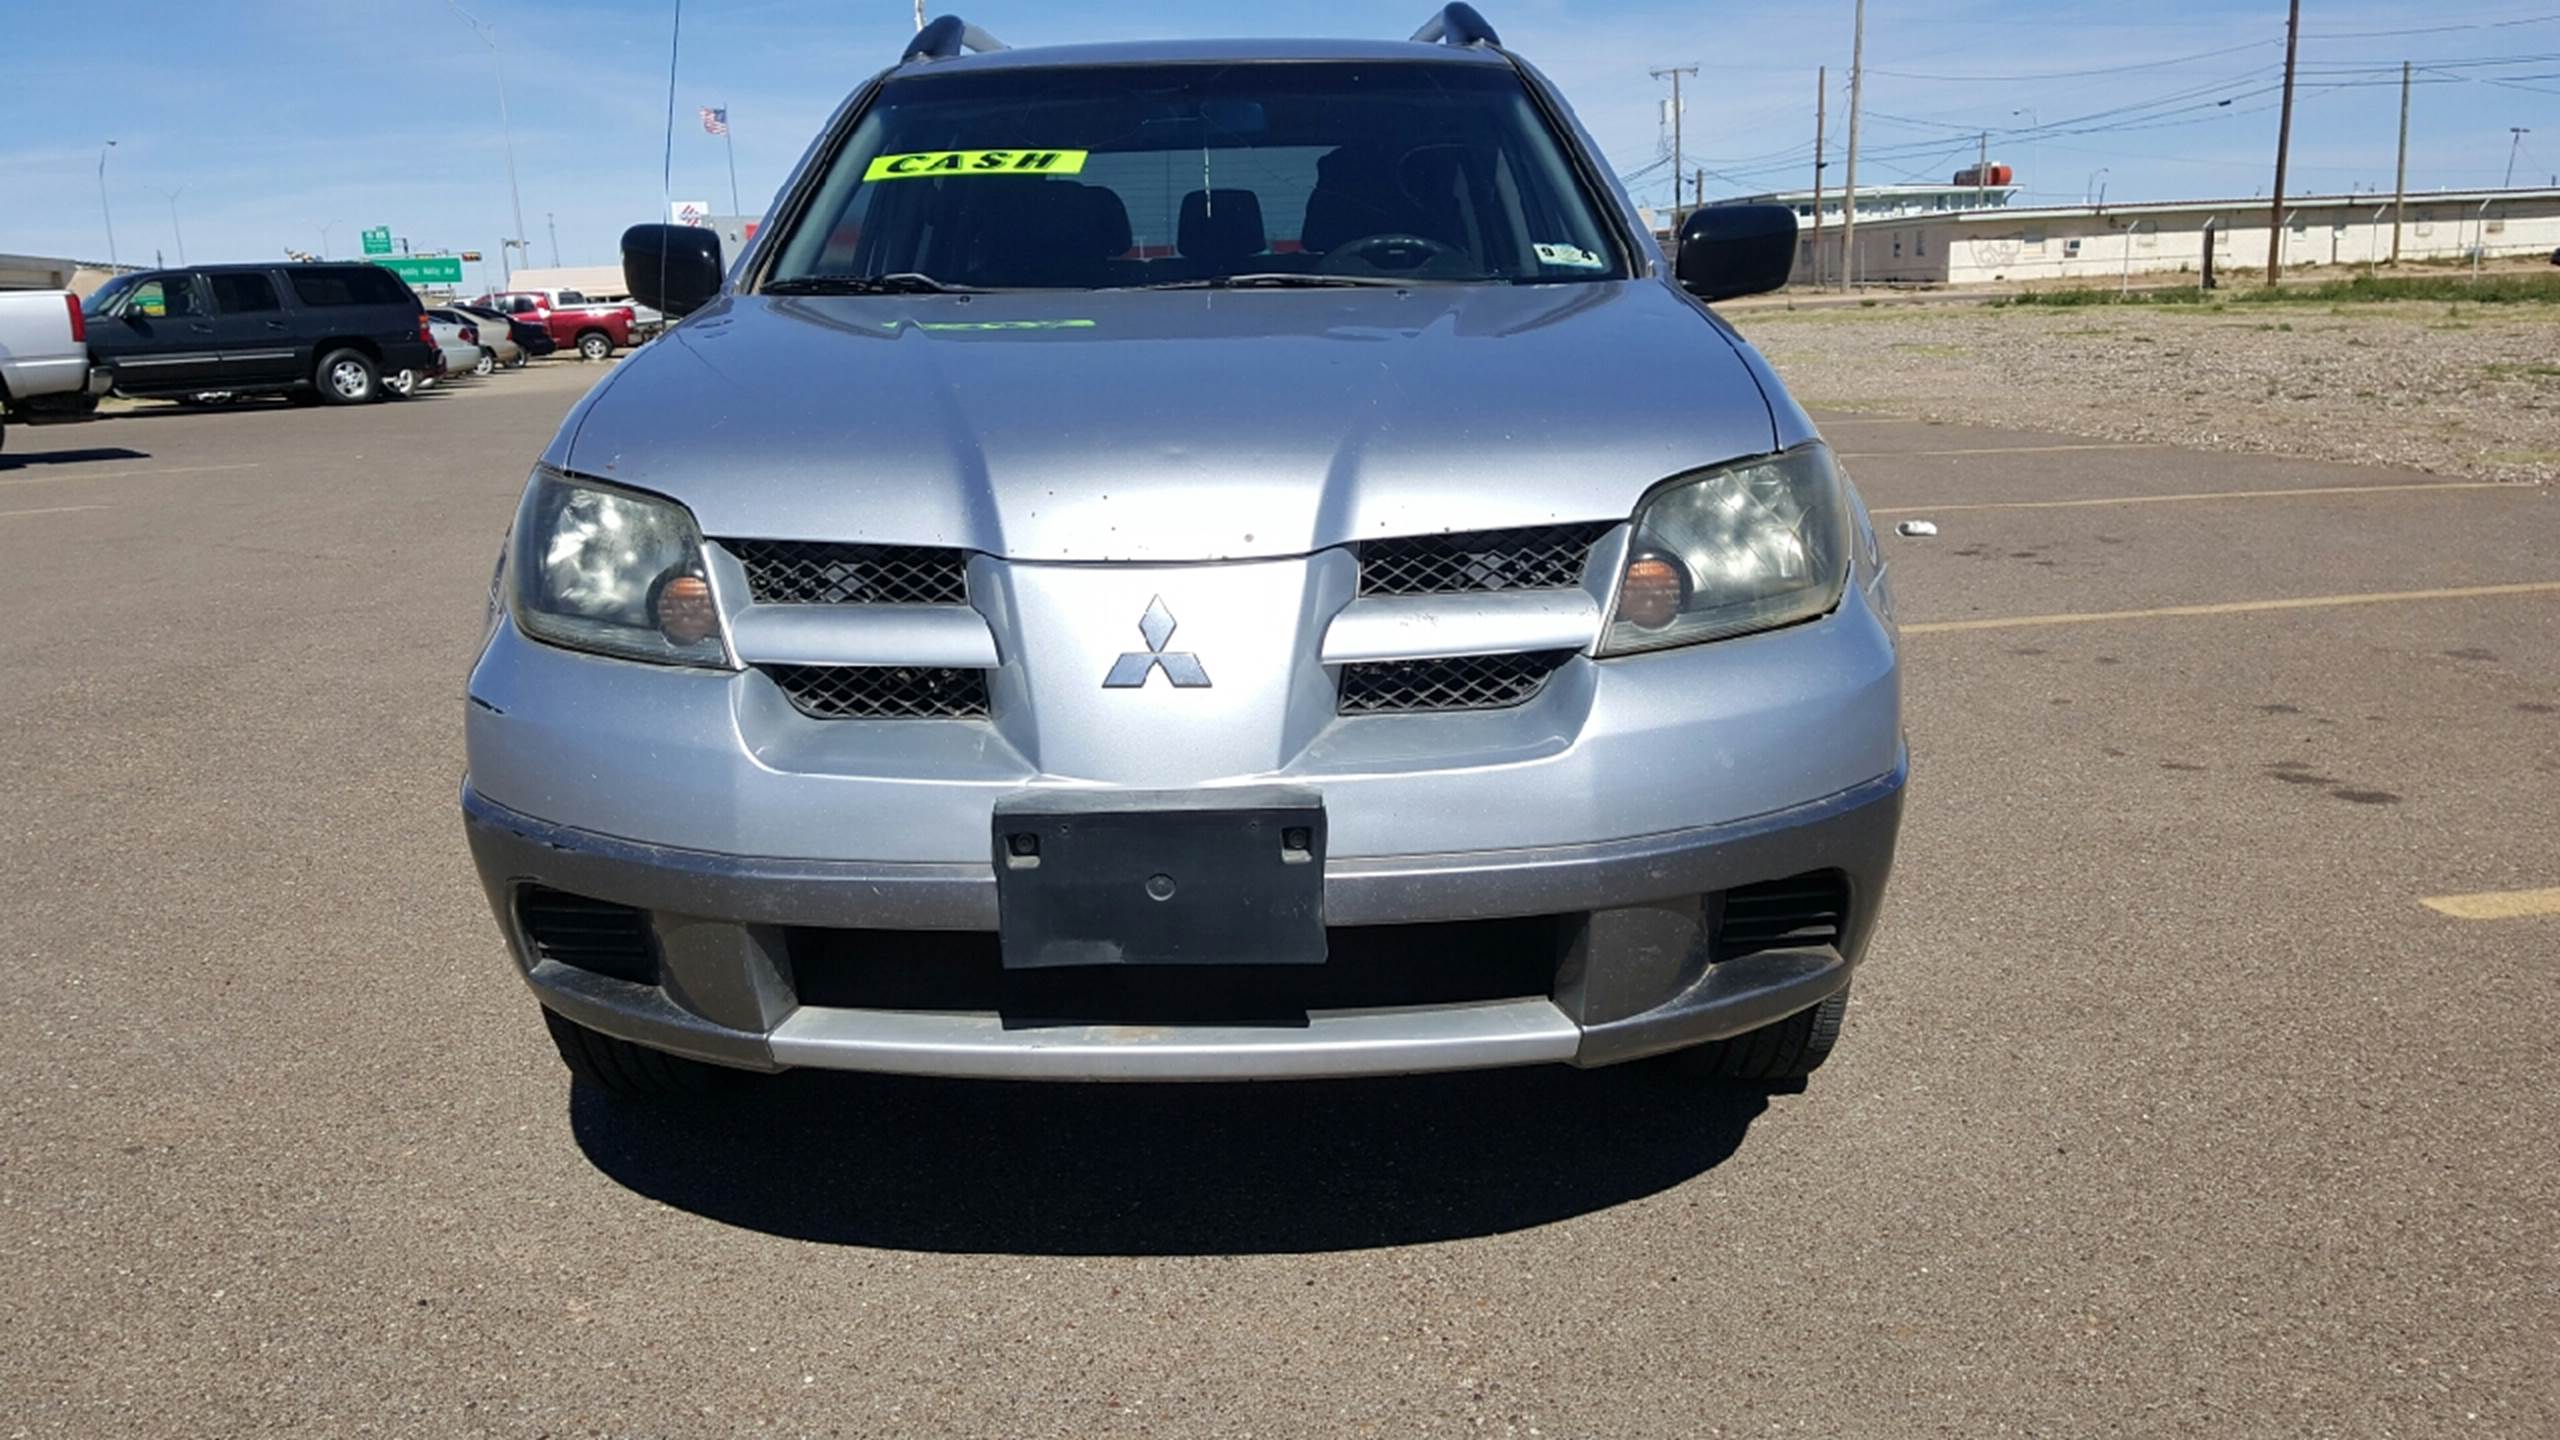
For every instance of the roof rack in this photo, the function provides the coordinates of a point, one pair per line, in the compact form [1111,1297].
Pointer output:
[1458,25]
[944,39]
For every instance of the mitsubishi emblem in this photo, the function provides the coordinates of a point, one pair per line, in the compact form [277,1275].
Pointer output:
[1132,670]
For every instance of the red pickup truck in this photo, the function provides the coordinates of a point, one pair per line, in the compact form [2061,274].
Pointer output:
[595,331]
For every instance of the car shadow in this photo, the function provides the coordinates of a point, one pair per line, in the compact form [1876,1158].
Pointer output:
[15,459]
[1292,1167]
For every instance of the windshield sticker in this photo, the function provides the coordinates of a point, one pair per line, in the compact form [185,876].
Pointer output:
[928,164]
[1571,256]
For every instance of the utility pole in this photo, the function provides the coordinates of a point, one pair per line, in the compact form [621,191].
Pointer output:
[1821,108]
[553,221]
[1678,164]
[2284,143]
[105,209]
[919,14]
[2400,181]
[2519,132]
[1849,192]
[1982,173]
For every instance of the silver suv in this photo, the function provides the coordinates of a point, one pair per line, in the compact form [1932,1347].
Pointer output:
[1188,562]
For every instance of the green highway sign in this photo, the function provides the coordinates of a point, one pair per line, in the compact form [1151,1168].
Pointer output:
[426,269]
[377,241]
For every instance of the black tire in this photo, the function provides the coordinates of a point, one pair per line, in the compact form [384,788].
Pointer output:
[595,345]
[1776,1054]
[347,377]
[630,1072]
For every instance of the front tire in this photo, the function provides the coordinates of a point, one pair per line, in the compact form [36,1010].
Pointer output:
[347,377]
[595,345]
[630,1072]
[1780,1054]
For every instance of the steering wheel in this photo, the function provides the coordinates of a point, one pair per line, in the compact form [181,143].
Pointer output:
[1392,253]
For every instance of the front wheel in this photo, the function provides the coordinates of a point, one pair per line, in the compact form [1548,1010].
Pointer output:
[630,1072]
[347,377]
[595,345]
[1778,1054]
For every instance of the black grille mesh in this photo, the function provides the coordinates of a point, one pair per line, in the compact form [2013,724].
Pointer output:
[1471,682]
[799,572]
[593,935]
[883,692]
[1548,557]
[1802,912]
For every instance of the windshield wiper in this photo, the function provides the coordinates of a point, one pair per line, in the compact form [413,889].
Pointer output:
[905,282]
[1289,280]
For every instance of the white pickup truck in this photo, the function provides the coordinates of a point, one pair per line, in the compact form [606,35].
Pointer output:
[45,374]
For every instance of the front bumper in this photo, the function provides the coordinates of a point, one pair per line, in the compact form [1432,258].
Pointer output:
[1637,967]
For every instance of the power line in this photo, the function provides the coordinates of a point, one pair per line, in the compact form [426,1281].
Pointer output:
[2078,74]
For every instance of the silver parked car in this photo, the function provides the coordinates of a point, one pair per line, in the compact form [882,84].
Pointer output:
[1191,561]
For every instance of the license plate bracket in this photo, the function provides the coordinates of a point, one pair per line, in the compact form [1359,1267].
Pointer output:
[1221,877]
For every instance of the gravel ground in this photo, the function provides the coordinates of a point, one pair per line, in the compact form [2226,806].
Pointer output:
[2467,390]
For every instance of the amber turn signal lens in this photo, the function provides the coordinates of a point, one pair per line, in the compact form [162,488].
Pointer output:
[685,612]
[1651,595]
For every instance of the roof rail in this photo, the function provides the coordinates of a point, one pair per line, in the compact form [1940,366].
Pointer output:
[944,39]
[1458,25]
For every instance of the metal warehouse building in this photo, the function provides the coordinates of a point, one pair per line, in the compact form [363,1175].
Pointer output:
[2105,242]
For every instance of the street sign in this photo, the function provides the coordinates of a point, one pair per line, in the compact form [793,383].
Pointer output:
[426,269]
[377,241]
[690,212]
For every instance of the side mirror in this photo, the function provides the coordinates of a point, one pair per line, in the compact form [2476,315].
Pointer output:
[1730,250]
[674,268]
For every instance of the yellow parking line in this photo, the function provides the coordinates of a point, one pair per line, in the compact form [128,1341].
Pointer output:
[2212,495]
[53,510]
[2497,904]
[127,474]
[1995,450]
[2234,607]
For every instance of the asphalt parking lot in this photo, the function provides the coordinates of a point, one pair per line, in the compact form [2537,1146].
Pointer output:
[2167,1104]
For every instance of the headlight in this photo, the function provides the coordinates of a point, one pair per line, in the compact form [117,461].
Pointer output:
[613,571]
[1747,547]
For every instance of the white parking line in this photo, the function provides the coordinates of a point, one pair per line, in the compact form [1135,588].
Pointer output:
[1992,450]
[2527,485]
[53,510]
[152,473]
[2234,607]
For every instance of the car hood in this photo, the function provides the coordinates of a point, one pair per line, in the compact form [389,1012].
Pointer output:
[1172,425]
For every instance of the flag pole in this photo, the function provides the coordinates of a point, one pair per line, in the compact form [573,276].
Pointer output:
[729,137]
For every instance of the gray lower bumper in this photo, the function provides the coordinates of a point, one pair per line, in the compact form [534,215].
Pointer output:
[1634,981]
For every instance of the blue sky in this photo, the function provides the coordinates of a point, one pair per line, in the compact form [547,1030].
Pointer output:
[273,119]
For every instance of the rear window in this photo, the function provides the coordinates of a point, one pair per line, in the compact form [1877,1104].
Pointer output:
[349,285]
[1132,176]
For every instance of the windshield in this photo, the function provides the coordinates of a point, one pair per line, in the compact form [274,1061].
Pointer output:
[103,300]
[1197,175]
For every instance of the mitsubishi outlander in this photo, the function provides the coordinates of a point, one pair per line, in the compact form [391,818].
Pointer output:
[1191,561]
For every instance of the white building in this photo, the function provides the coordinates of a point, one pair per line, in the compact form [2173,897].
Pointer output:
[2096,243]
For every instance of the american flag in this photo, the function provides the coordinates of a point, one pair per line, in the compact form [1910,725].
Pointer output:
[715,119]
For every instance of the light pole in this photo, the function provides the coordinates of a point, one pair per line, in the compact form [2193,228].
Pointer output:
[2514,145]
[173,223]
[324,236]
[105,209]
[2094,188]
[505,126]
[2032,125]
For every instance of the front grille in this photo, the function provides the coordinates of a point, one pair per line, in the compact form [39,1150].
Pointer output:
[883,692]
[1470,682]
[1545,557]
[1799,913]
[592,935]
[1366,967]
[799,572]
